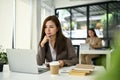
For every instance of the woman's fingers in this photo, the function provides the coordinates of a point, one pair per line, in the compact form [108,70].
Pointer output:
[61,63]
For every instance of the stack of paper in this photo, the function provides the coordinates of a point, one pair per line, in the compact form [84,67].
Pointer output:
[81,69]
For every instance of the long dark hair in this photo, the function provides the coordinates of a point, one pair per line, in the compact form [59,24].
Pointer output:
[60,43]
[92,29]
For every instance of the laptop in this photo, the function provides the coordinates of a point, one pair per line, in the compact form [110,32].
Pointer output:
[24,61]
[85,46]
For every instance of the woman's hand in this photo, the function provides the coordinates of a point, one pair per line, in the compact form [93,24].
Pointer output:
[45,39]
[61,63]
[93,46]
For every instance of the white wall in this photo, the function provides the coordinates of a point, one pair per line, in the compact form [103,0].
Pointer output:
[6,23]
[67,3]
[25,15]
[23,18]
[34,26]
[23,24]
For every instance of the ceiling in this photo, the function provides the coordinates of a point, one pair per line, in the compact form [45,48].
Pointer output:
[95,10]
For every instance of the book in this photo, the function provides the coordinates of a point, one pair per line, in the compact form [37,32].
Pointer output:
[84,67]
[77,73]
[81,70]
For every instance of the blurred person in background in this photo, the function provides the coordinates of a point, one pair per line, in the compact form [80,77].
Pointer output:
[94,43]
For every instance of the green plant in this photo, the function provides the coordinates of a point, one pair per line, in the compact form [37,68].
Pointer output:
[114,70]
[3,58]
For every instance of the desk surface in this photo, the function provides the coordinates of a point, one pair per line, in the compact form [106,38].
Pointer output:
[92,51]
[8,75]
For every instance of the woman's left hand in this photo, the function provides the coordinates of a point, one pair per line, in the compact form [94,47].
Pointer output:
[61,63]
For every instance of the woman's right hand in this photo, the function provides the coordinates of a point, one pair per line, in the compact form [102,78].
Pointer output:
[93,46]
[45,39]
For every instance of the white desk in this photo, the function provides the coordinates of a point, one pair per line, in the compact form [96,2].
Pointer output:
[7,75]
[92,51]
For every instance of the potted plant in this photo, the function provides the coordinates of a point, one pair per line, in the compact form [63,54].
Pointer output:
[3,59]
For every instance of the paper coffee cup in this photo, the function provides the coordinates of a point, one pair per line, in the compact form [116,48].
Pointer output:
[54,67]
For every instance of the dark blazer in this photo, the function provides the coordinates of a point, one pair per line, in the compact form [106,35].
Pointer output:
[68,56]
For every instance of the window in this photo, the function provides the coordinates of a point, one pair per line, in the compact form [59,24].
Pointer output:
[103,17]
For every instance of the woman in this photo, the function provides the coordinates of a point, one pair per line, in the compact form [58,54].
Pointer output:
[54,46]
[94,43]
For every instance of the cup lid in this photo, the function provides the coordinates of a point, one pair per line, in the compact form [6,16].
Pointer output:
[54,63]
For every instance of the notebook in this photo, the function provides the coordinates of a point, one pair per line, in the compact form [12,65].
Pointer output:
[82,70]
[84,67]
[24,61]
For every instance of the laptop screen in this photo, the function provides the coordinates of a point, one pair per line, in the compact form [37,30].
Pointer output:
[84,46]
[22,60]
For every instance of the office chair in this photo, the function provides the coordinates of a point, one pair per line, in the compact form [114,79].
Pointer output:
[76,49]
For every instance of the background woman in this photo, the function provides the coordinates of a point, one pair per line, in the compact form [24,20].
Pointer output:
[94,43]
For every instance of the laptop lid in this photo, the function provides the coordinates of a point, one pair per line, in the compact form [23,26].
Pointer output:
[22,60]
[84,46]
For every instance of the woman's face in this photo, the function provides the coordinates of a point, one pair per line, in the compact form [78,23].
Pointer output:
[50,29]
[91,33]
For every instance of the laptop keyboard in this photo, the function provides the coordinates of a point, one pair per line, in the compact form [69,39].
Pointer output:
[42,70]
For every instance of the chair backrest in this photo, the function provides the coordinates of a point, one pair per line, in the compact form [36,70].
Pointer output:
[77,49]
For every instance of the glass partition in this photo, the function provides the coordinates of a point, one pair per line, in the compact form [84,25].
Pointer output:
[64,17]
[79,22]
[104,17]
